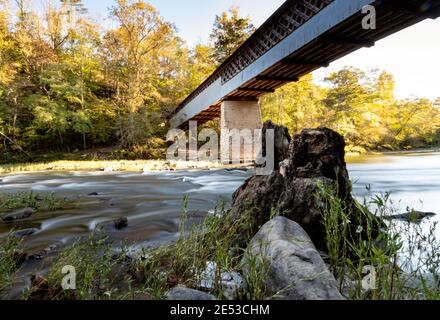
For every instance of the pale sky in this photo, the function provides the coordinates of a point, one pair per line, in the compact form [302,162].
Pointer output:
[412,55]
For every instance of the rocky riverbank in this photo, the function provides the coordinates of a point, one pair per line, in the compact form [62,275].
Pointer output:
[297,234]
[303,235]
[281,225]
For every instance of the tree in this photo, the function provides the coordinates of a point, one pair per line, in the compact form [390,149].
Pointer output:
[4,19]
[200,66]
[229,33]
[347,102]
[297,105]
[7,45]
[66,83]
[82,38]
[361,106]
[132,49]
[16,48]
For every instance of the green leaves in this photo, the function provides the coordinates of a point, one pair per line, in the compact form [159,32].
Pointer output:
[67,83]
[361,106]
[229,33]
[9,264]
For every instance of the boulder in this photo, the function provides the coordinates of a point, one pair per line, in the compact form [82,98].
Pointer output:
[295,270]
[314,157]
[186,294]
[19,214]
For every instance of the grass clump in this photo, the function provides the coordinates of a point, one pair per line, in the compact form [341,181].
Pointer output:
[95,265]
[183,262]
[103,274]
[47,202]
[402,262]
[9,261]
[257,267]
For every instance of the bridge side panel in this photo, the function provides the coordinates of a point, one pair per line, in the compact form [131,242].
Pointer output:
[335,13]
[203,101]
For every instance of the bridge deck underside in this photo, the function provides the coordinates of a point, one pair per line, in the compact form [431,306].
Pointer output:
[345,38]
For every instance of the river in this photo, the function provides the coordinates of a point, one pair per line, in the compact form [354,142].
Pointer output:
[152,200]
[413,179]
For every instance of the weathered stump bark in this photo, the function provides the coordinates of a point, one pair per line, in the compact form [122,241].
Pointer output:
[312,157]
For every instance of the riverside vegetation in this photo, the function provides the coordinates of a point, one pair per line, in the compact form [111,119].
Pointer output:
[405,257]
[103,273]
[48,202]
[69,83]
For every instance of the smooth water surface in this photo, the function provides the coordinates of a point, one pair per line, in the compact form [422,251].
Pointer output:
[152,201]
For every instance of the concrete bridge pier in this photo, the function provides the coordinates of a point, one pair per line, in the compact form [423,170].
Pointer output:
[239,120]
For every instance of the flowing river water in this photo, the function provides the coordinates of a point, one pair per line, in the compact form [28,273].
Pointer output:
[152,200]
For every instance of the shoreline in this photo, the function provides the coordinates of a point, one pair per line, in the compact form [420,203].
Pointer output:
[164,165]
[116,166]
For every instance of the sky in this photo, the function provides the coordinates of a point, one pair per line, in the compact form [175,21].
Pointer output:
[412,55]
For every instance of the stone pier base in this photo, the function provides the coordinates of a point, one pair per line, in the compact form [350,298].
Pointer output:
[239,120]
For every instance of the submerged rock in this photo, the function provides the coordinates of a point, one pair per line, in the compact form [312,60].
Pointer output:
[121,223]
[186,294]
[313,158]
[413,216]
[40,255]
[295,270]
[19,214]
[25,232]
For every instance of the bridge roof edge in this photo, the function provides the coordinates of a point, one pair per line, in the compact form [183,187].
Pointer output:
[253,37]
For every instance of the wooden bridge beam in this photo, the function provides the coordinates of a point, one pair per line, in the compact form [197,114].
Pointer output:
[274,78]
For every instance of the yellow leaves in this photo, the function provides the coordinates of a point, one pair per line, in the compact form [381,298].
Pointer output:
[74,100]
[359,105]
[140,5]
[43,116]
[6,75]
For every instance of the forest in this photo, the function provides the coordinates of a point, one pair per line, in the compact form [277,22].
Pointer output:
[69,83]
